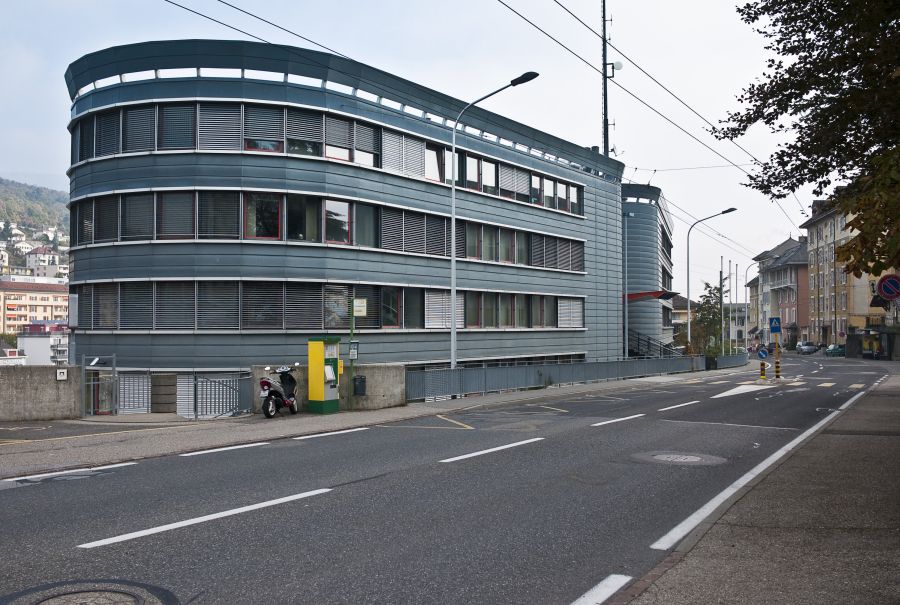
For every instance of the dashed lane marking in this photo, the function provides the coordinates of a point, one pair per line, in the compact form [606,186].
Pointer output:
[746,426]
[602,591]
[827,384]
[493,449]
[618,420]
[719,382]
[680,405]
[553,408]
[89,469]
[224,449]
[857,386]
[364,428]
[796,384]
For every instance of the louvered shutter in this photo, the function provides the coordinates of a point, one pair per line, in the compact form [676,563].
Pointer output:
[523,185]
[537,250]
[338,132]
[137,216]
[577,256]
[106,219]
[219,126]
[175,215]
[460,238]
[303,305]
[85,306]
[86,222]
[86,138]
[507,180]
[76,144]
[262,122]
[337,307]
[305,126]
[218,305]
[391,151]
[174,305]
[138,128]
[367,138]
[564,254]
[550,256]
[436,235]
[262,306]
[108,133]
[391,229]
[414,232]
[73,223]
[218,214]
[106,306]
[413,156]
[135,305]
[437,309]
[177,126]
[372,296]
[570,312]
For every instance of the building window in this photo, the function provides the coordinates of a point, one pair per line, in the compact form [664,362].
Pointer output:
[535,190]
[489,309]
[366,145]
[523,256]
[522,303]
[106,219]
[507,310]
[390,307]
[473,309]
[338,138]
[473,240]
[175,215]
[471,172]
[262,216]
[138,128]
[263,128]
[262,306]
[549,193]
[174,305]
[562,197]
[337,222]
[433,164]
[218,305]
[413,308]
[507,246]
[177,126]
[366,225]
[218,215]
[337,306]
[489,243]
[305,132]
[108,133]
[137,216]
[219,126]
[304,218]
[489,177]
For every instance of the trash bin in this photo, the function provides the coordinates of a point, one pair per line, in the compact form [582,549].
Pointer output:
[359,385]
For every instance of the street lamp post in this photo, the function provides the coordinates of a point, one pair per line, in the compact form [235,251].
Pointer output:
[726,211]
[747,307]
[526,77]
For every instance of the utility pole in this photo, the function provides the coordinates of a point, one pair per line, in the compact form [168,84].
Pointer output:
[605,104]
[721,305]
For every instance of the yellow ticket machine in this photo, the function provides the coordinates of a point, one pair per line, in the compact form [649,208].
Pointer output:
[325,369]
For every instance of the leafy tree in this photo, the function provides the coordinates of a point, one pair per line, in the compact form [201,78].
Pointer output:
[8,340]
[6,232]
[835,88]
[706,324]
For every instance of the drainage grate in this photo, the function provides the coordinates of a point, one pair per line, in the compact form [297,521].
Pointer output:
[681,458]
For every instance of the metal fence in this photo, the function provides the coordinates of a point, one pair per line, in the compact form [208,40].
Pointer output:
[134,393]
[213,394]
[732,361]
[432,384]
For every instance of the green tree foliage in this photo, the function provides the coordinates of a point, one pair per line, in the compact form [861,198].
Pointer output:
[834,88]
[31,205]
[706,325]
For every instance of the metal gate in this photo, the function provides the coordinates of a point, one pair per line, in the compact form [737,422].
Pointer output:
[134,393]
[99,382]
[214,394]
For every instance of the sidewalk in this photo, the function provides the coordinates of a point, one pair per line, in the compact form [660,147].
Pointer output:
[822,527]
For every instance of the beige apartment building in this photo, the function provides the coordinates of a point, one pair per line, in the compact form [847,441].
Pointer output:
[24,302]
[838,303]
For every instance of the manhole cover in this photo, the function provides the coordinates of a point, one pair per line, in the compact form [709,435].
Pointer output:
[677,458]
[93,597]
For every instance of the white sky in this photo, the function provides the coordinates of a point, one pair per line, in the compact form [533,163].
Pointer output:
[698,48]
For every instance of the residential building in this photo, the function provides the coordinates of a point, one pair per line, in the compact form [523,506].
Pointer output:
[753,311]
[24,302]
[41,257]
[4,258]
[680,315]
[23,247]
[12,357]
[782,290]
[45,343]
[264,195]
[735,315]
[839,303]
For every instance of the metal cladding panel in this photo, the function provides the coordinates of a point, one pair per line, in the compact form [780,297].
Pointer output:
[644,272]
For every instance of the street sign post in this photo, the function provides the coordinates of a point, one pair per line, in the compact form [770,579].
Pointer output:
[775,328]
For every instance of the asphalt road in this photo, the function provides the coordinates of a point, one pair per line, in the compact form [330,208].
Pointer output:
[559,497]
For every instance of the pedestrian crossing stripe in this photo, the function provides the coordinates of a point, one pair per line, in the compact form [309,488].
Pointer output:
[719,382]
[857,386]
[827,384]
[796,384]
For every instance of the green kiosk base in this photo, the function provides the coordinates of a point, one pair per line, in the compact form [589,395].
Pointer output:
[322,407]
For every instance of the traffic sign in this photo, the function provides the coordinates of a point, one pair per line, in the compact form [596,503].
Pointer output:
[775,325]
[762,353]
[889,286]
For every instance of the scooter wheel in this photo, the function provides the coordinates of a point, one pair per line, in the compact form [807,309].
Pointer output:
[269,407]
[294,407]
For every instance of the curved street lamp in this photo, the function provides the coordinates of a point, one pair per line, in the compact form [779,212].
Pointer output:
[726,211]
[528,76]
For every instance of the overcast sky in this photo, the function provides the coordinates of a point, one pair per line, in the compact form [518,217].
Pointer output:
[699,49]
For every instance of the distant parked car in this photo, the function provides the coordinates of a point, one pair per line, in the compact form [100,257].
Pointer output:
[834,351]
[806,347]
[774,345]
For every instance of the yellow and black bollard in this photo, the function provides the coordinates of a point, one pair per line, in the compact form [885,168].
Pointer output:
[777,368]
[762,370]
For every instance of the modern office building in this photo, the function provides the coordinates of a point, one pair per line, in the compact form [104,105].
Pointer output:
[647,236]
[229,199]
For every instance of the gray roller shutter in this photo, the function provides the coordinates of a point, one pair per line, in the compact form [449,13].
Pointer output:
[175,215]
[507,179]
[550,255]
[137,216]
[108,133]
[177,126]
[303,306]
[577,256]
[460,238]
[523,183]
[570,312]
[262,306]
[86,138]
[338,132]
[391,151]
[106,219]
[305,126]
[413,156]
[219,126]
[262,122]
[174,305]
[414,232]
[218,305]
[537,250]
[337,307]
[136,305]
[85,222]
[106,306]
[372,296]
[367,138]
[85,306]
[391,229]
[564,254]
[138,128]
[218,214]
[76,140]
[436,235]
[437,309]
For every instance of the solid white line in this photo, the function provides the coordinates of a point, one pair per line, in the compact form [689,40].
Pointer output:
[225,449]
[493,449]
[73,470]
[680,405]
[747,426]
[618,420]
[603,590]
[676,534]
[203,519]
[365,428]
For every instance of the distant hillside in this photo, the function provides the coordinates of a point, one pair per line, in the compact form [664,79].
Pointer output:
[33,206]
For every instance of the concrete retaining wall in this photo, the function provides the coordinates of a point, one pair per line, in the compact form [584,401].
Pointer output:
[34,393]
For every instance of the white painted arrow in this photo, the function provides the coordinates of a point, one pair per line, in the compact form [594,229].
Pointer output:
[744,388]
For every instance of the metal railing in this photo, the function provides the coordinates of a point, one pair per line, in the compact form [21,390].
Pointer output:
[426,385]
[732,361]
[647,346]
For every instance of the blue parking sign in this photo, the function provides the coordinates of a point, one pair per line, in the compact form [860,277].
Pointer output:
[762,353]
[775,325]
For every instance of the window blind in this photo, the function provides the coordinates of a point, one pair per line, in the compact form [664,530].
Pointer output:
[137,216]
[436,235]
[177,126]
[218,305]
[108,133]
[391,229]
[106,306]
[138,128]
[437,309]
[262,305]
[303,305]
[219,126]
[372,296]
[174,305]
[414,232]
[261,122]
[305,125]
[135,305]
[175,215]
[218,214]
[338,132]
[106,219]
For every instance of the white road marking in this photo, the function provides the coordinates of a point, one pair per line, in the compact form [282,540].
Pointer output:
[203,519]
[70,471]
[827,384]
[744,388]
[493,449]
[719,382]
[224,449]
[796,384]
[680,405]
[365,428]
[747,426]
[618,420]
[602,591]
[677,533]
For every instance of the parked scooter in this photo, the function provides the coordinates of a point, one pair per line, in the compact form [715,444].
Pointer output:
[277,394]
